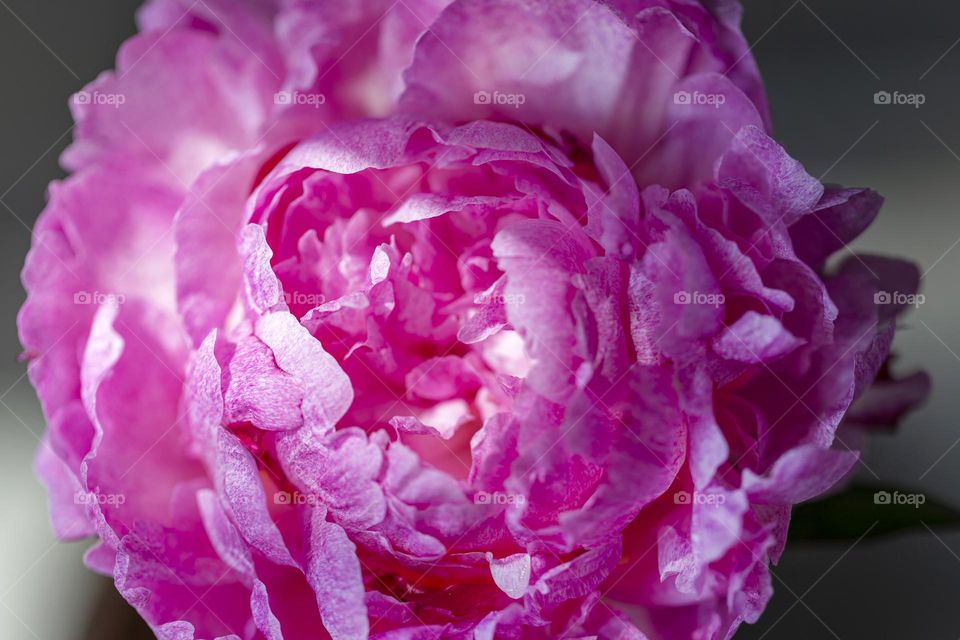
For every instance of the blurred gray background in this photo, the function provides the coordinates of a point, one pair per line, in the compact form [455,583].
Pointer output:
[823,62]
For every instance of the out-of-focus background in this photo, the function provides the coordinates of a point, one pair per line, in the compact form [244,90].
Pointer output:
[823,61]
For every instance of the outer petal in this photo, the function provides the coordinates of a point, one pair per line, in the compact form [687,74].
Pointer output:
[761,174]
[839,218]
[334,573]
[584,67]
[178,102]
[352,54]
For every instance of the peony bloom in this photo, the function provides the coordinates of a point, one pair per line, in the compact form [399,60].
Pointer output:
[534,339]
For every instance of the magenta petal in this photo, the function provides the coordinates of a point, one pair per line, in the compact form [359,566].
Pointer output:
[537,63]
[334,574]
[264,291]
[223,535]
[761,174]
[512,574]
[886,401]
[69,519]
[755,338]
[799,475]
[327,390]
[266,621]
[174,106]
[206,229]
[841,216]
[340,471]
[259,392]
[539,258]
[244,494]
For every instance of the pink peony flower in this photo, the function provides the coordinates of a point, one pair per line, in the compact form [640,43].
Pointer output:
[536,340]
